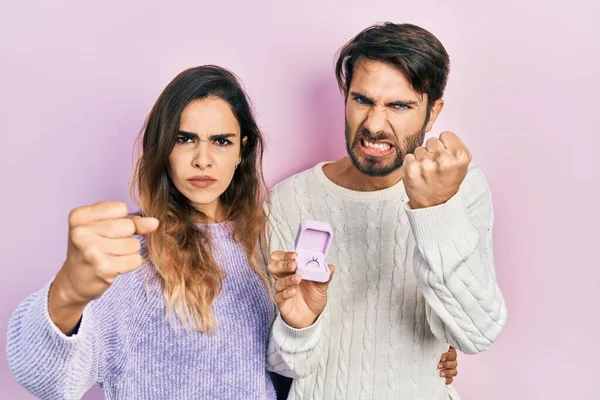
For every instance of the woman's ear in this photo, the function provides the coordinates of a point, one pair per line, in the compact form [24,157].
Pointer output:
[244,141]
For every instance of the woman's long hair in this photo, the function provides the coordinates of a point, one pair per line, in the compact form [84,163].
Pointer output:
[179,250]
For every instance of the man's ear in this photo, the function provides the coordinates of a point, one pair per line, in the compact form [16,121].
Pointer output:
[435,111]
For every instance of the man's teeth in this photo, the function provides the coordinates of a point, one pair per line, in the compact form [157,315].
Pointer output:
[376,146]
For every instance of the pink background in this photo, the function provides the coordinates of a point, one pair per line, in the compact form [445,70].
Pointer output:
[77,80]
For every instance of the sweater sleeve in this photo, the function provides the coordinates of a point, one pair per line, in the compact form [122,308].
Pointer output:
[294,353]
[46,362]
[454,265]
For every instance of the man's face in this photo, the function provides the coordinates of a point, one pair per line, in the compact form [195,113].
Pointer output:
[385,118]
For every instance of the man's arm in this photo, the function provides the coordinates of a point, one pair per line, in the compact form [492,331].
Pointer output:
[454,265]
[292,351]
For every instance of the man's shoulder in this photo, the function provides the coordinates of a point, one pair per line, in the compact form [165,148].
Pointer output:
[293,183]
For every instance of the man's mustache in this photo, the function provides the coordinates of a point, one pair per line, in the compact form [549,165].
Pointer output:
[366,134]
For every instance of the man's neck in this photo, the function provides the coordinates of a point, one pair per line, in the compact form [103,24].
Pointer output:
[344,174]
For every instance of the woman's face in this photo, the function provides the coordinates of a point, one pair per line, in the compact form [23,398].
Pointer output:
[207,151]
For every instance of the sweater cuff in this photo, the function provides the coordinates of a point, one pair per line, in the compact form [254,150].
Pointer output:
[40,354]
[292,340]
[441,225]
[51,331]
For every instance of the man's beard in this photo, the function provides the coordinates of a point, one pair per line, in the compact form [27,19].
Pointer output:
[377,166]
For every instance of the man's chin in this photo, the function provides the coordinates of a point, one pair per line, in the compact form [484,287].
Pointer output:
[374,166]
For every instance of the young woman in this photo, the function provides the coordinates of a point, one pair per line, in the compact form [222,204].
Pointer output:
[197,319]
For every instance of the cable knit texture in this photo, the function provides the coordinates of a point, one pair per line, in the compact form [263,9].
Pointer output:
[126,345]
[408,283]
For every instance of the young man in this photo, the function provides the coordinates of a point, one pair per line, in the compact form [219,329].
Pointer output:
[412,228]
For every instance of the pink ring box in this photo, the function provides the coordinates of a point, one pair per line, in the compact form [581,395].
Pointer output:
[312,243]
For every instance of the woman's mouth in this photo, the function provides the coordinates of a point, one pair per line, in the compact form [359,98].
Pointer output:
[202,182]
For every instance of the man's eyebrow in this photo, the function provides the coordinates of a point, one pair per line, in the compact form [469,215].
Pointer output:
[404,102]
[391,103]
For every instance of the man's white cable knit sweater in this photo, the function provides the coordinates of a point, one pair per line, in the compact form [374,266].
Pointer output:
[407,284]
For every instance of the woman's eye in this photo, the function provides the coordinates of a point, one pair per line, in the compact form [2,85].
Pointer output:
[223,142]
[181,139]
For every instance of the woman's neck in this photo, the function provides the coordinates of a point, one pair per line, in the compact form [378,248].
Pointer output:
[214,213]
